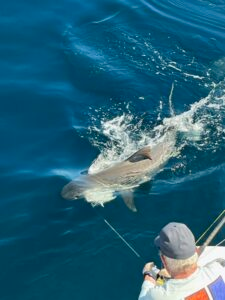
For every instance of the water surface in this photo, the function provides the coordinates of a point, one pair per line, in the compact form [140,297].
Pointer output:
[100,79]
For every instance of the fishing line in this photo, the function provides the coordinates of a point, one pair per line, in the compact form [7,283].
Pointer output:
[204,233]
[117,233]
[120,236]
[212,235]
[220,242]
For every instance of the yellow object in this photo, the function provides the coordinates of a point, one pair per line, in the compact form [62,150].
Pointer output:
[160,281]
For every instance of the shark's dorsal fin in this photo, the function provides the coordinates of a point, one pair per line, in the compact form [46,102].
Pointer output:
[129,199]
[143,153]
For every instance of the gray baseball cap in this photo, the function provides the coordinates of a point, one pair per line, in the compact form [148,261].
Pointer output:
[176,241]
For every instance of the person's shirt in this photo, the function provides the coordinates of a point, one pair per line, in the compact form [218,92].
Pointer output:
[206,283]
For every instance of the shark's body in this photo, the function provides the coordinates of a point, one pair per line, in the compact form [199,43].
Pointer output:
[122,177]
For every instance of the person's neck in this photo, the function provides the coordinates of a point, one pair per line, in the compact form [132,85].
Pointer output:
[186,274]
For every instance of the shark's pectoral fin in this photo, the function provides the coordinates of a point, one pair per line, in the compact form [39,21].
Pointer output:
[129,199]
[141,154]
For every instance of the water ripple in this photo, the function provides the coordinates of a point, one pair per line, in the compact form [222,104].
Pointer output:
[189,14]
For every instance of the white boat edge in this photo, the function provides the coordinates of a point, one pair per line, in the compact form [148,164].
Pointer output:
[211,253]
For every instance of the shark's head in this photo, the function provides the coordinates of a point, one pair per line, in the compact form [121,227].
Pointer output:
[73,190]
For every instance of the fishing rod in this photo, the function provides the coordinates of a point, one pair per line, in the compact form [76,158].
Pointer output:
[212,235]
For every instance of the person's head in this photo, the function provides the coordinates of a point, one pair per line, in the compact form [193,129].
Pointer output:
[177,248]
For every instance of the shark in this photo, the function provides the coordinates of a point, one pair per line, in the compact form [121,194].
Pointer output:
[122,177]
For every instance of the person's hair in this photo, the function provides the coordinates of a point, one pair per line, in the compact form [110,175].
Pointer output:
[176,266]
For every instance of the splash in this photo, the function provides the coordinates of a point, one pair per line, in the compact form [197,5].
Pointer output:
[201,127]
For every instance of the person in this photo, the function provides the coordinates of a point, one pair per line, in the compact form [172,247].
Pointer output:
[185,279]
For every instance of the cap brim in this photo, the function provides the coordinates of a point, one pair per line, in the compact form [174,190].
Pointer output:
[157,241]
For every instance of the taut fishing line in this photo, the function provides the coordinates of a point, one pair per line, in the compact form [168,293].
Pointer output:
[117,233]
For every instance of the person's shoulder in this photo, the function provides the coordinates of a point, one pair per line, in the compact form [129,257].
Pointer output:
[216,266]
[219,262]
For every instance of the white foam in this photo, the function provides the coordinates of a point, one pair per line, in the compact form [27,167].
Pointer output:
[99,196]
[126,135]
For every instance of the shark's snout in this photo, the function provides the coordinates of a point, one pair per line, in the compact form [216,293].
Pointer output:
[71,191]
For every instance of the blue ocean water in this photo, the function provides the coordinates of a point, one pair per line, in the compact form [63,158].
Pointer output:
[83,79]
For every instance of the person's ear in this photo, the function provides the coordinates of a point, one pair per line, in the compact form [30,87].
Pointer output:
[163,260]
